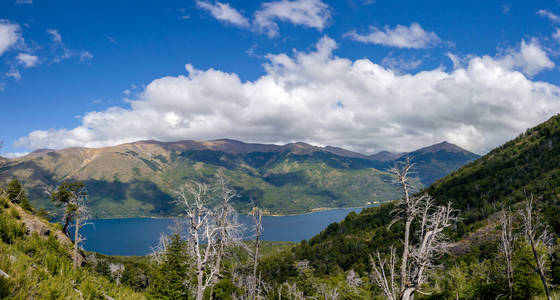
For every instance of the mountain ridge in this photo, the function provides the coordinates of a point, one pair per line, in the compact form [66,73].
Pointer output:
[138,178]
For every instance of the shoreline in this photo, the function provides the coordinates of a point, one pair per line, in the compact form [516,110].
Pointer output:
[313,210]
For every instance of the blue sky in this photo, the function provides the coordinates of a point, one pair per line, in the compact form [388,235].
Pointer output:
[366,75]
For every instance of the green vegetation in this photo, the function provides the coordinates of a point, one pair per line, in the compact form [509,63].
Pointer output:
[17,194]
[38,264]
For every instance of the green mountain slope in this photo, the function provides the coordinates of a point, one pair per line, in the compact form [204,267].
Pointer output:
[138,179]
[529,163]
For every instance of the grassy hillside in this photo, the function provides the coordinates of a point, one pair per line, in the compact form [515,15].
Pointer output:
[35,256]
[530,162]
[138,179]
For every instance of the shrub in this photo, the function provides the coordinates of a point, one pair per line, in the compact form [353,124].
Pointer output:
[14,213]
[4,202]
[10,230]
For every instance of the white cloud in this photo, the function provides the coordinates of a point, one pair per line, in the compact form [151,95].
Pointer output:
[14,73]
[400,64]
[10,35]
[323,99]
[55,35]
[548,14]
[530,58]
[14,154]
[24,1]
[309,13]
[224,12]
[556,34]
[401,36]
[65,53]
[27,60]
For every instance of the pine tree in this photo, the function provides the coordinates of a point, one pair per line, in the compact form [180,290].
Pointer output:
[168,281]
[17,195]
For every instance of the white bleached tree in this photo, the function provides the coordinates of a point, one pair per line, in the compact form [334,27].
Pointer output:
[202,234]
[421,249]
[538,236]
[507,241]
[228,229]
[210,232]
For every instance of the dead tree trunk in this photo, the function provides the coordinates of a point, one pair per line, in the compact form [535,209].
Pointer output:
[428,243]
[76,241]
[257,217]
[202,228]
[536,234]
[507,244]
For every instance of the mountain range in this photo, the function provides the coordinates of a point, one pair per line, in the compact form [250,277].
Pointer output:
[138,179]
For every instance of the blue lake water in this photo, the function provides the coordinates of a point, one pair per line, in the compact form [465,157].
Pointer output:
[136,236]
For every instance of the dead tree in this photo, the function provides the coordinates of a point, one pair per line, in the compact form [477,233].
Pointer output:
[257,219]
[431,241]
[201,229]
[506,246]
[385,274]
[353,280]
[81,218]
[537,235]
[227,225]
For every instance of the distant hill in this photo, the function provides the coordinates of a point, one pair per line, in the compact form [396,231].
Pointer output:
[436,161]
[138,179]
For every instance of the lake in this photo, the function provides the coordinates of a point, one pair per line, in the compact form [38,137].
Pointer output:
[136,236]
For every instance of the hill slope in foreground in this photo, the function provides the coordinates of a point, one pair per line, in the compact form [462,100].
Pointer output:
[36,262]
[138,179]
[529,163]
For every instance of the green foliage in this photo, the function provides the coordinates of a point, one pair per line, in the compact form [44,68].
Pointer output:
[17,194]
[14,213]
[66,193]
[168,278]
[15,190]
[41,268]
[10,229]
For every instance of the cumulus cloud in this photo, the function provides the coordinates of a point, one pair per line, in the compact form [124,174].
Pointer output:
[308,13]
[530,58]
[24,1]
[320,98]
[549,15]
[27,60]
[224,12]
[10,35]
[401,36]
